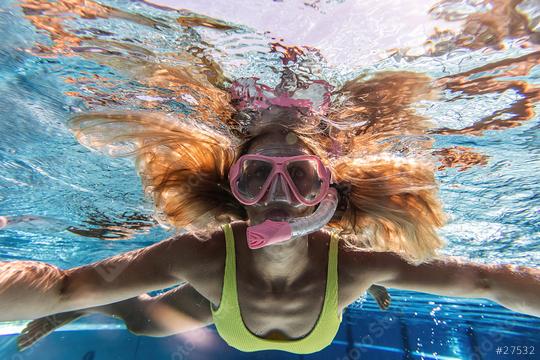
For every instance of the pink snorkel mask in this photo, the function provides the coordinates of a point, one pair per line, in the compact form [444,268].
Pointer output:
[303,176]
[306,176]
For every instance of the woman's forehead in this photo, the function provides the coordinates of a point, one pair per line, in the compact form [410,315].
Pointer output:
[279,151]
[278,144]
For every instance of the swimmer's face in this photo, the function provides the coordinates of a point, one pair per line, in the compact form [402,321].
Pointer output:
[274,206]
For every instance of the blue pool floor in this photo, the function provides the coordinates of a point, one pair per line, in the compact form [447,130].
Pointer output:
[373,335]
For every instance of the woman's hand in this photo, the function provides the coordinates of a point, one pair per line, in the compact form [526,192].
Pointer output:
[31,289]
[515,287]
[175,311]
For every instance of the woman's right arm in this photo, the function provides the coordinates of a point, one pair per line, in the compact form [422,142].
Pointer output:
[29,290]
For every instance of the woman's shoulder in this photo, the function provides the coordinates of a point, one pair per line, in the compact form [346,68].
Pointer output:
[202,251]
[368,263]
[208,239]
[197,243]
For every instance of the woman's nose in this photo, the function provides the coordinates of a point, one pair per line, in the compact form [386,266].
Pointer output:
[279,190]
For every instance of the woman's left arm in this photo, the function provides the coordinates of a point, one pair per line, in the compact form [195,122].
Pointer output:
[515,287]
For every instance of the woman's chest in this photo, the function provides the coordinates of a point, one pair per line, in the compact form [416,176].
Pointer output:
[291,313]
[282,302]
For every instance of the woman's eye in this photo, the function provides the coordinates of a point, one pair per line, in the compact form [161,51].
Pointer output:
[260,173]
[298,173]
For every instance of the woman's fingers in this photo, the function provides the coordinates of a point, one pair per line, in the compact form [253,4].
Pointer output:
[41,327]
[381,296]
[34,331]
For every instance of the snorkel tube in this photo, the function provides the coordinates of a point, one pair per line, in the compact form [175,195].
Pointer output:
[272,232]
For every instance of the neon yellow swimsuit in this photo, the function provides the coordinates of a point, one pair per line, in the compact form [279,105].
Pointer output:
[231,328]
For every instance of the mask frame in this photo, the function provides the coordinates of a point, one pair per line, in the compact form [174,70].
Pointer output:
[279,167]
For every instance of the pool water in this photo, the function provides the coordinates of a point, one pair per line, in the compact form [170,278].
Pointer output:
[70,206]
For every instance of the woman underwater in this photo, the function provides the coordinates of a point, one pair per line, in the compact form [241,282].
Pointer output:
[301,212]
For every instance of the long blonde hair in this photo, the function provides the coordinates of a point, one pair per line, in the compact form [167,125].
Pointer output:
[372,138]
[389,201]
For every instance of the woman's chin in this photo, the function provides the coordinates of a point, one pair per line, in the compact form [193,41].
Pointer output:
[277,215]
[280,218]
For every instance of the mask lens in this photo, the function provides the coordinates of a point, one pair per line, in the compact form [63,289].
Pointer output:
[253,175]
[306,178]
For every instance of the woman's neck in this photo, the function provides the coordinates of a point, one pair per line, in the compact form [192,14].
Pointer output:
[276,267]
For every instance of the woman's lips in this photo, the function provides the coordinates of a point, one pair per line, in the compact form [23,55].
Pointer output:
[277,214]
